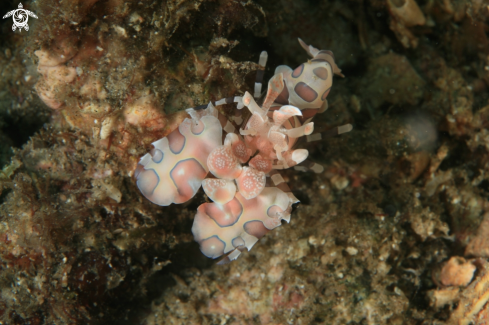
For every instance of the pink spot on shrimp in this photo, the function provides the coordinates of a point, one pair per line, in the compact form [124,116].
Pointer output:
[274,211]
[147,181]
[187,176]
[238,241]
[326,93]
[321,73]
[197,128]
[305,92]
[255,228]
[224,215]
[176,141]
[212,247]
[298,71]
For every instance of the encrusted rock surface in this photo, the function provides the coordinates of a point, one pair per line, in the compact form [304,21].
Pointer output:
[392,232]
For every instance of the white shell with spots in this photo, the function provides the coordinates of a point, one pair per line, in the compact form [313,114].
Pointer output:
[175,176]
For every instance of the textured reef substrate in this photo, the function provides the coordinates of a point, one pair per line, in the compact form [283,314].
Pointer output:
[392,232]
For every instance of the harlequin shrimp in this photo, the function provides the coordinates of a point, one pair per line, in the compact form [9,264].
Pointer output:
[249,196]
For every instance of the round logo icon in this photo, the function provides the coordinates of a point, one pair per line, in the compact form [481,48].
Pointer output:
[20,17]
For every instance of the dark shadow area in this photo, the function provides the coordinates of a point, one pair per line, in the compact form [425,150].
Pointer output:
[20,129]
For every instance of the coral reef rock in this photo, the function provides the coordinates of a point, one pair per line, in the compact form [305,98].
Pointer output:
[391,230]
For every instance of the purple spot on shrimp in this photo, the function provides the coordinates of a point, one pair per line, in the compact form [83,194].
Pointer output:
[298,71]
[255,228]
[305,92]
[321,73]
